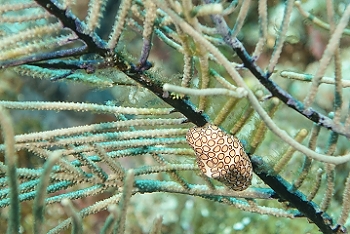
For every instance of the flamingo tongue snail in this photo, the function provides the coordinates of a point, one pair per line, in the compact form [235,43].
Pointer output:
[221,156]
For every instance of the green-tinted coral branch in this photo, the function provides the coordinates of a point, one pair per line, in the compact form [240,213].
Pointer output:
[242,118]
[111,219]
[95,13]
[113,164]
[124,201]
[39,201]
[11,173]
[97,207]
[238,93]
[288,153]
[242,15]
[307,161]
[345,203]
[316,184]
[119,23]
[263,28]
[77,224]
[260,129]
[316,20]
[84,107]
[338,99]
[146,186]
[281,37]
[309,77]
[225,111]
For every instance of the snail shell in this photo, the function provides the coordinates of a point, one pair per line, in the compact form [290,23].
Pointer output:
[221,156]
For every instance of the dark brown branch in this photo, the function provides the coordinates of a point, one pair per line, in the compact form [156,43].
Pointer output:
[295,198]
[94,43]
[43,57]
[284,96]
[183,106]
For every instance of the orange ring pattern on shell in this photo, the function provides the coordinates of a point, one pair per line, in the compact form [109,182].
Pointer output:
[221,156]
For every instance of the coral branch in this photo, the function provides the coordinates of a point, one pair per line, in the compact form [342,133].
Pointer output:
[295,198]
[93,41]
